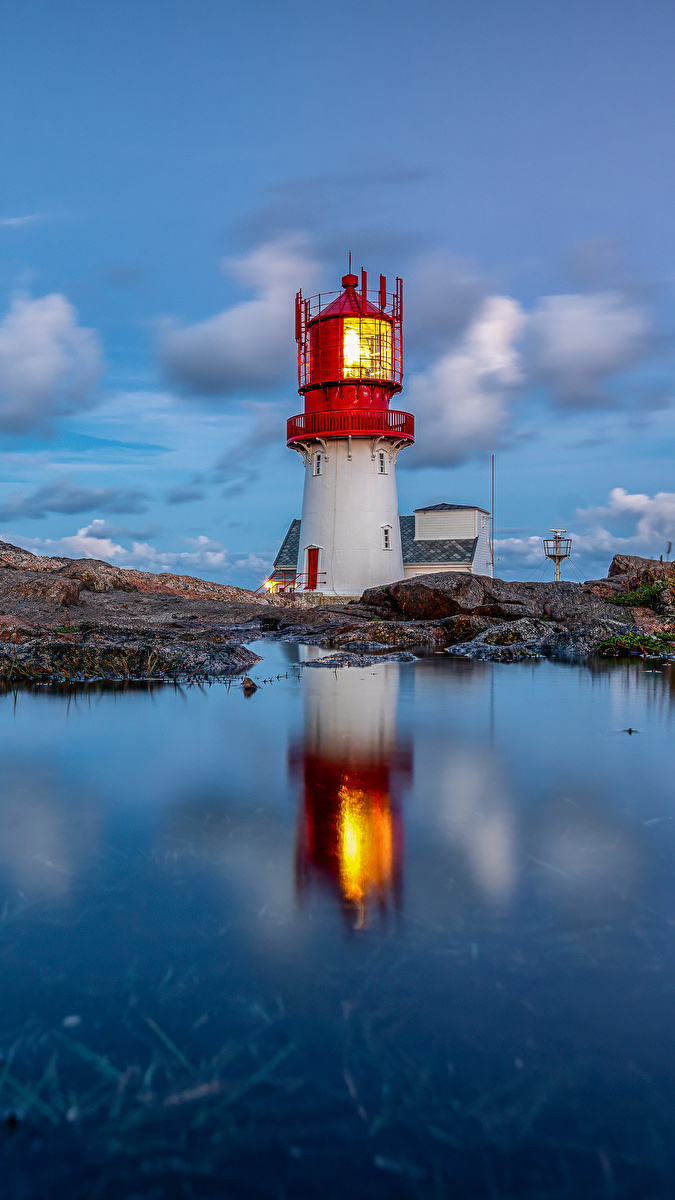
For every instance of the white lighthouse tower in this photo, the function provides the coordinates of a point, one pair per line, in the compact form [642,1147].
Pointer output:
[349,368]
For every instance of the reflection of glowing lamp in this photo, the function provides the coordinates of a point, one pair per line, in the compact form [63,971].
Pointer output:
[365,847]
[270,585]
[349,832]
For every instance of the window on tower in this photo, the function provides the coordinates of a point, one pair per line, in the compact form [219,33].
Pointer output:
[386,537]
[366,349]
[382,462]
[318,463]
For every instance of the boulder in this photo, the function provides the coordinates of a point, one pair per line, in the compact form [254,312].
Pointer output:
[633,569]
[664,603]
[605,588]
[98,576]
[458,593]
[531,638]
[527,629]
[31,586]
[464,629]
[377,635]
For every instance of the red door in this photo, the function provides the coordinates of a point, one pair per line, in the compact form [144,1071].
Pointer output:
[312,567]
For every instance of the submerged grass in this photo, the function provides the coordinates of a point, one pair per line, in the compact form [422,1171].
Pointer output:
[375,1112]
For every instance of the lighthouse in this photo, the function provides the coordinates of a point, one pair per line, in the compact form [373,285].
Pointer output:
[349,369]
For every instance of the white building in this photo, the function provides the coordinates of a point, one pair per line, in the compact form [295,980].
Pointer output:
[440,537]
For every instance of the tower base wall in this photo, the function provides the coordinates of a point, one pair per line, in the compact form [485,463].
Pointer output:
[350,515]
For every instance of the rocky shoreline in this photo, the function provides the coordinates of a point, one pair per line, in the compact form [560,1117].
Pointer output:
[78,620]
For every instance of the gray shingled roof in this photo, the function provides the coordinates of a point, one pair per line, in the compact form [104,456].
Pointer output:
[423,553]
[287,558]
[451,508]
[430,553]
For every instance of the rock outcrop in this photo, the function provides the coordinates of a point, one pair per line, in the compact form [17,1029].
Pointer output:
[449,594]
[82,619]
[129,624]
[82,656]
[95,575]
[635,570]
[503,621]
[530,638]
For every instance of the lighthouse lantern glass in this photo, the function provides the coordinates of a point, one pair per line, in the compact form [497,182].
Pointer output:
[366,348]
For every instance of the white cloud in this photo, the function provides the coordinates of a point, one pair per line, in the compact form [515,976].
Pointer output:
[249,345]
[462,401]
[523,551]
[20,222]
[203,556]
[101,529]
[49,365]
[578,341]
[642,524]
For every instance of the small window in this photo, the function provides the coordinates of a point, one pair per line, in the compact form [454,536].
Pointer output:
[386,537]
[382,462]
[318,464]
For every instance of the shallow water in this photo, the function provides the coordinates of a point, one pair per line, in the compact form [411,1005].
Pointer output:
[397,931]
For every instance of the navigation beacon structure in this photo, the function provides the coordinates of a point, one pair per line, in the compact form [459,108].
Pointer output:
[350,536]
[349,368]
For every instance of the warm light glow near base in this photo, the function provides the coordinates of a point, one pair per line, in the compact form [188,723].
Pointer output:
[365,846]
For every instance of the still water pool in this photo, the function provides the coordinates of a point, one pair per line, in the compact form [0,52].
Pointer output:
[399,931]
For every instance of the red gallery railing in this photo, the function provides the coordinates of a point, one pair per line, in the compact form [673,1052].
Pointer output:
[357,422]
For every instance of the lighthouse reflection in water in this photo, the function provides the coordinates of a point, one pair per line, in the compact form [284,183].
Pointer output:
[352,772]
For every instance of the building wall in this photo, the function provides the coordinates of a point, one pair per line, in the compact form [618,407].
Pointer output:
[447,524]
[482,560]
[457,523]
[344,512]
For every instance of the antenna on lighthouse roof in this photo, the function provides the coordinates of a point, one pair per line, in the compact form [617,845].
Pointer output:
[350,262]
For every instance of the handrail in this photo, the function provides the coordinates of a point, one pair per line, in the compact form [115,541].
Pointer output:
[317,304]
[297,583]
[356,422]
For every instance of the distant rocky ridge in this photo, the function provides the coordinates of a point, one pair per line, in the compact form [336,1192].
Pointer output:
[72,575]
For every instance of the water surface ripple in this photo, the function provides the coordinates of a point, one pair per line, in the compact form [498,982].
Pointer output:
[396,931]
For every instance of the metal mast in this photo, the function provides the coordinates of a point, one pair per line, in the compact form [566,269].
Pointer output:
[557,548]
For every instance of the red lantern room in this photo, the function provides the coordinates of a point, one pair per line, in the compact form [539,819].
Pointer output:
[350,363]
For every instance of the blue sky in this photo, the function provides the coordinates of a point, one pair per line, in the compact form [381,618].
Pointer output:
[172,172]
